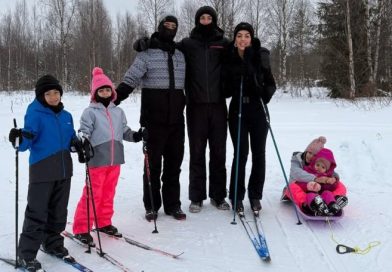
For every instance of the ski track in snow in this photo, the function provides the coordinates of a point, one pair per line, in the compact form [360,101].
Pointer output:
[360,140]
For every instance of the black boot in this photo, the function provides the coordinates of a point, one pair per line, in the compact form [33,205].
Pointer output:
[319,207]
[240,206]
[255,204]
[110,230]
[31,265]
[177,214]
[85,238]
[334,209]
[151,215]
[59,252]
[342,201]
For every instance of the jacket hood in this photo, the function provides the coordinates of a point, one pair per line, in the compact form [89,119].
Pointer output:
[325,154]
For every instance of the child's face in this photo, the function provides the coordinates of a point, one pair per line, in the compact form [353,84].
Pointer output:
[308,156]
[105,92]
[320,167]
[52,97]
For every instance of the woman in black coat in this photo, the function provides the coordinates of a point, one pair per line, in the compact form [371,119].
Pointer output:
[247,70]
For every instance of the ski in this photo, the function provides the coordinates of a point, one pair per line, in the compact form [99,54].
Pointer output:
[71,261]
[105,255]
[262,240]
[12,262]
[254,238]
[144,246]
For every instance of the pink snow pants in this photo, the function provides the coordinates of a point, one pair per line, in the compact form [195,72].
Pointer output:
[103,182]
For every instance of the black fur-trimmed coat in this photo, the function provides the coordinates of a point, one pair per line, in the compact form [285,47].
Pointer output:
[258,81]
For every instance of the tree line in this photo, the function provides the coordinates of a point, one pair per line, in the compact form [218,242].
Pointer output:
[343,45]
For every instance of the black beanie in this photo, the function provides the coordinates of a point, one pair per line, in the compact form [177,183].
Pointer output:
[46,83]
[168,18]
[244,26]
[205,10]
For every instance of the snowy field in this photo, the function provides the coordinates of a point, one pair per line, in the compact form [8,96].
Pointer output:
[361,140]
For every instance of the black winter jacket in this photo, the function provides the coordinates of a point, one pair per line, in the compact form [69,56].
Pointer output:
[258,81]
[204,58]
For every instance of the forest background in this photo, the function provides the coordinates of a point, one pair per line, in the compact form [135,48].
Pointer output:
[343,45]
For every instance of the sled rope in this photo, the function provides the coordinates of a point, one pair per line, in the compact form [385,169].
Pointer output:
[343,249]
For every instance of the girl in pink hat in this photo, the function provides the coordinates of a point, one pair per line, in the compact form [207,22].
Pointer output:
[105,126]
[299,161]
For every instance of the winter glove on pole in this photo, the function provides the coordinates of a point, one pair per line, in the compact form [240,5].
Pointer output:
[15,134]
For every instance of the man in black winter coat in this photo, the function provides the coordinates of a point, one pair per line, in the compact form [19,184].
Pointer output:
[206,109]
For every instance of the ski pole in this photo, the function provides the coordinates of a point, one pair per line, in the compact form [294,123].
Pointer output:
[16,195]
[237,152]
[88,212]
[89,191]
[148,174]
[266,113]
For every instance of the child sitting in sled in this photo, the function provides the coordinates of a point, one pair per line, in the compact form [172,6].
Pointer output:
[299,161]
[319,197]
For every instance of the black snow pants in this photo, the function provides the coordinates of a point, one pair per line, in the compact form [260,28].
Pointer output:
[207,123]
[253,126]
[165,142]
[45,217]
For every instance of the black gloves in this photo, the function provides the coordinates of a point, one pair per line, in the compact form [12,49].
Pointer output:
[123,91]
[15,133]
[82,146]
[142,134]
[141,44]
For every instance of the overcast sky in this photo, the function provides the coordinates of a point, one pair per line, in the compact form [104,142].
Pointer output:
[113,6]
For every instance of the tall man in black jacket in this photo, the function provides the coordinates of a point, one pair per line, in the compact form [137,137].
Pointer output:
[206,109]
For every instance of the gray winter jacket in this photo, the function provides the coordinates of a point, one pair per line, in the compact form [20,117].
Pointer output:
[150,70]
[106,128]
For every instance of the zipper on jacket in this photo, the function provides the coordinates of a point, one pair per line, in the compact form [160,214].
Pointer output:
[61,142]
[206,60]
[112,141]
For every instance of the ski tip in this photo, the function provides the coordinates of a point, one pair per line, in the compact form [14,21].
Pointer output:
[267,259]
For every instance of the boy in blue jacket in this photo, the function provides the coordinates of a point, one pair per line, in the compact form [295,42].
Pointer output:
[48,133]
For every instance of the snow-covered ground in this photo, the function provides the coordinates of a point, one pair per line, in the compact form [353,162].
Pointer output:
[362,143]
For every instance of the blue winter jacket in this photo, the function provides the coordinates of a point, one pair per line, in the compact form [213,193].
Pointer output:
[50,157]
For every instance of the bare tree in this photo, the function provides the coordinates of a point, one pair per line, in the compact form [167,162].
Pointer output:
[381,12]
[187,20]
[280,16]
[350,51]
[153,10]
[59,18]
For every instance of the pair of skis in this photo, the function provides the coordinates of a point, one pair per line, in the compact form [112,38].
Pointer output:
[144,246]
[256,237]
[104,255]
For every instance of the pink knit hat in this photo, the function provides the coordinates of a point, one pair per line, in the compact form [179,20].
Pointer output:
[316,145]
[100,80]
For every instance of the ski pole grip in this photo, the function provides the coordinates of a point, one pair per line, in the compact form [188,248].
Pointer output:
[17,138]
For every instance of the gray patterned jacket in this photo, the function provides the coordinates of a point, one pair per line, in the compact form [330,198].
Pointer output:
[150,71]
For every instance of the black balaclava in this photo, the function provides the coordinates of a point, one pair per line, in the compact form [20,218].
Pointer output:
[206,30]
[105,101]
[165,34]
